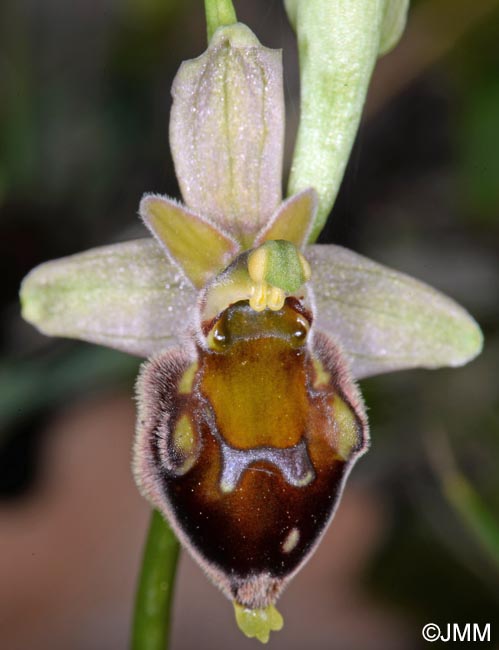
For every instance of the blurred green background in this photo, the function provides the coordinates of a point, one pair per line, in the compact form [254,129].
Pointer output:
[84,90]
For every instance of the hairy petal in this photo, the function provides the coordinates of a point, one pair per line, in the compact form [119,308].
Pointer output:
[292,221]
[386,320]
[227,131]
[125,296]
[199,247]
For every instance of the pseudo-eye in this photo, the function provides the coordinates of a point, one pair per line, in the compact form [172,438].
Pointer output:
[246,436]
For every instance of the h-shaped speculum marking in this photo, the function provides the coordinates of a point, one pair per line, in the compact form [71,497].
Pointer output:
[293,462]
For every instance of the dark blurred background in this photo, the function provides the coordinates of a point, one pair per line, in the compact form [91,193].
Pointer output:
[84,105]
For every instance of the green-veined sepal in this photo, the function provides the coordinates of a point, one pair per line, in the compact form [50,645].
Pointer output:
[227,132]
[126,296]
[386,320]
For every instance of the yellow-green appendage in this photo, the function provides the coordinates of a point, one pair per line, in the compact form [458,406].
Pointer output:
[258,623]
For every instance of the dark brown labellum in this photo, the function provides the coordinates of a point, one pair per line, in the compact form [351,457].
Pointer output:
[245,445]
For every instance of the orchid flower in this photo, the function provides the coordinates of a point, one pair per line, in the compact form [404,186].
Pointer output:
[249,416]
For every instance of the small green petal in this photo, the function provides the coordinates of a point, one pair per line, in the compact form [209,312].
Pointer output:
[227,132]
[386,320]
[199,247]
[126,296]
[293,220]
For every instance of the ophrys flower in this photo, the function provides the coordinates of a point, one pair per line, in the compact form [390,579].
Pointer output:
[247,431]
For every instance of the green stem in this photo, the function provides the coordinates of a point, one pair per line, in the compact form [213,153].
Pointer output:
[151,623]
[475,514]
[218,13]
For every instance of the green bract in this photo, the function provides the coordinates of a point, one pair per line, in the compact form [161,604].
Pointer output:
[338,42]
